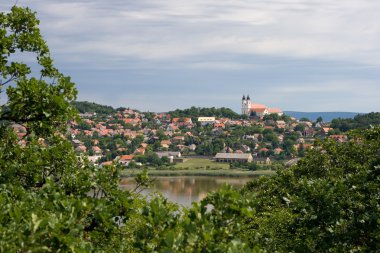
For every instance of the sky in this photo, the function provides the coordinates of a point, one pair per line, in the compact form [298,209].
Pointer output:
[160,55]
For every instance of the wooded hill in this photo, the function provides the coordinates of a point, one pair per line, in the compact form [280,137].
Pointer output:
[361,121]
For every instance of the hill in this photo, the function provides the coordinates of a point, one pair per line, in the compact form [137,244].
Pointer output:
[85,106]
[361,121]
[205,112]
[327,116]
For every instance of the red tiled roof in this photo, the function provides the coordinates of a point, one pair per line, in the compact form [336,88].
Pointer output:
[274,110]
[257,106]
[260,110]
[126,157]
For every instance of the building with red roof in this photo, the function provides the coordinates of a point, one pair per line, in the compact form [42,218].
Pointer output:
[248,107]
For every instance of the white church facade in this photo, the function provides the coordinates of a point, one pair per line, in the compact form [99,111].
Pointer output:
[260,110]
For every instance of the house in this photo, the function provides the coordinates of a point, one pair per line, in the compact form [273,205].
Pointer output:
[292,162]
[306,124]
[172,127]
[108,163]
[168,154]
[125,159]
[165,143]
[263,160]
[94,158]
[96,150]
[325,130]
[77,142]
[339,137]
[206,120]
[81,148]
[181,147]
[233,157]
[280,124]
[172,155]
[175,120]
[245,148]
[178,138]
[219,125]
[140,151]
[250,137]
[133,122]
[308,132]
[278,151]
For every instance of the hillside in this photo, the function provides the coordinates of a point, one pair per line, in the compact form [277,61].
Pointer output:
[362,121]
[327,116]
[85,106]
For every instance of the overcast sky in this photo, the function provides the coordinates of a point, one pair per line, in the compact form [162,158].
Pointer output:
[159,55]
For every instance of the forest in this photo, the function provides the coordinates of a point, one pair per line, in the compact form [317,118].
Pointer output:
[194,112]
[51,200]
[360,121]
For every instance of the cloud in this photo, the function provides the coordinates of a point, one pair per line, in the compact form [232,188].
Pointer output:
[171,29]
[285,50]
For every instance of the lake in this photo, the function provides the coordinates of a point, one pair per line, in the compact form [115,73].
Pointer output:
[186,189]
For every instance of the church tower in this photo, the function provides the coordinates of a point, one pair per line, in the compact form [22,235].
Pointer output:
[249,105]
[245,105]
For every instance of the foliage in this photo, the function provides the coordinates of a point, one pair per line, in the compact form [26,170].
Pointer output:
[84,106]
[194,112]
[53,201]
[360,121]
[250,166]
[328,202]
[152,159]
[43,106]
[275,116]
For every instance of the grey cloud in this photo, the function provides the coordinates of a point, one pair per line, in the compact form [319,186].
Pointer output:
[283,50]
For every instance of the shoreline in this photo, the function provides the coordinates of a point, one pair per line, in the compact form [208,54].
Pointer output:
[200,172]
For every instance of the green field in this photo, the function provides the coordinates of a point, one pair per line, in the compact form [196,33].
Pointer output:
[199,167]
[200,163]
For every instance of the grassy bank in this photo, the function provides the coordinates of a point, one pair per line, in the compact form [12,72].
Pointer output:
[199,167]
[202,172]
[200,163]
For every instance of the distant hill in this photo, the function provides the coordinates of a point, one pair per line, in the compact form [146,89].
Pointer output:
[85,106]
[327,116]
[362,121]
[205,112]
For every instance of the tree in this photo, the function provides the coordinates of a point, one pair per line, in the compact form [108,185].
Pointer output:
[53,201]
[299,127]
[319,119]
[328,202]
[33,101]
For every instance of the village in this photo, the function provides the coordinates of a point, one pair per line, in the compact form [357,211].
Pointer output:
[259,137]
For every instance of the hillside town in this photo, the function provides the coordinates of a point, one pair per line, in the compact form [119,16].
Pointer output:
[131,137]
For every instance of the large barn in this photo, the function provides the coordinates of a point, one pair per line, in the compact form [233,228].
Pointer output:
[233,157]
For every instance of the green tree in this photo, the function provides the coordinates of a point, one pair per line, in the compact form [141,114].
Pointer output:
[328,202]
[319,119]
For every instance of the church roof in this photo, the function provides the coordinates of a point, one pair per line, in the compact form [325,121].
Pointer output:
[274,110]
[261,110]
[257,106]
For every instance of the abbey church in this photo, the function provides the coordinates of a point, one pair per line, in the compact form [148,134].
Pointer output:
[260,110]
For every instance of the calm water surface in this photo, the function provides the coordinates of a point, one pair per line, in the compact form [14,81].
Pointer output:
[186,189]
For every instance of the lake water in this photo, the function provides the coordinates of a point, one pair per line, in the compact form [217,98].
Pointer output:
[186,189]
